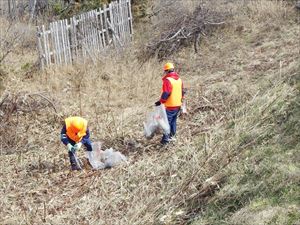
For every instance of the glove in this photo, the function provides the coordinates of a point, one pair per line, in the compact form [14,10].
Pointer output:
[70,148]
[158,103]
[77,146]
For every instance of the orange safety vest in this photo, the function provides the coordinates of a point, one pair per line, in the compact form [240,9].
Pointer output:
[73,135]
[175,97]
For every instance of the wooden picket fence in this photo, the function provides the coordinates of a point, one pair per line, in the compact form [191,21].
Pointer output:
[86,36]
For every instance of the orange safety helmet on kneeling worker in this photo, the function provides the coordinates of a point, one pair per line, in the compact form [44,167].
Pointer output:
[76,128]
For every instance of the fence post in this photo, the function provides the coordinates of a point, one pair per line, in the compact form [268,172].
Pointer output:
[33,10]
[58,43]
[102,28]
[105,10]
[54,52]
[40,48]
[130,17]
[74,42]
[9,7]
[111,24]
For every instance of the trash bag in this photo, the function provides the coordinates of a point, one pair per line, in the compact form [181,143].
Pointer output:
[150,126]
[162,119]
[113,158]
[104,159]
[183,107]
[96,157]
[156,120]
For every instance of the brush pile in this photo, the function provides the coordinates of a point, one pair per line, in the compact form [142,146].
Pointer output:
[24,103]
[183,30]
[16,110]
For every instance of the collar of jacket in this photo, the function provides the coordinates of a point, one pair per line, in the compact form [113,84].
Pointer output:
[173,75]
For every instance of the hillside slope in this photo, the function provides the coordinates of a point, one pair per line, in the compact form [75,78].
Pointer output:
[236,160]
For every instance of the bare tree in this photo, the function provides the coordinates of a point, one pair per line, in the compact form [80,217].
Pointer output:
[8,41]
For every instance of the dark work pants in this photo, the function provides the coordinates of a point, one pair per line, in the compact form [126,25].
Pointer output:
[172,119]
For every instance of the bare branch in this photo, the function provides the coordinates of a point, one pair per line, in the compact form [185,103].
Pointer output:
[47,99]
[183,29]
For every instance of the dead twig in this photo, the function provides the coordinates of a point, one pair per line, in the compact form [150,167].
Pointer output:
[47,99]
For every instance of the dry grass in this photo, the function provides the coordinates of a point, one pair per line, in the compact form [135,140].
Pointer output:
[235,84]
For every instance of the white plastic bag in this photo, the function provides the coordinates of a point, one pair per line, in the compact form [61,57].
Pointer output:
[183,107]
[104,159]
[150,126]
[157,120]
[96,157]
[113,158]
[162,119]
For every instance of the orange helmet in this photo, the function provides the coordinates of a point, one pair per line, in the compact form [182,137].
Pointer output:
[168,66]
[77,124]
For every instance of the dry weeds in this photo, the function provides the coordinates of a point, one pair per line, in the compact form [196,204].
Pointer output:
[238,77]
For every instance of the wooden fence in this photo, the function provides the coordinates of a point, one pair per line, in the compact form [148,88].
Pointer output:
[85,36]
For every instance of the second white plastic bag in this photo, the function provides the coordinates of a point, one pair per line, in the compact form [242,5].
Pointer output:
[104,159]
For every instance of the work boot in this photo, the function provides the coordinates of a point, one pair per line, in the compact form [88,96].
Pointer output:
[164,142]
[73,162]
[165,139]
[172,139]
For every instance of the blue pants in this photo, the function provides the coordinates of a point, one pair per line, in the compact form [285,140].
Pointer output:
[172,119]
[86,142]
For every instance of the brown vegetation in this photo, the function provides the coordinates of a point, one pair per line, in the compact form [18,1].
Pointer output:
[241,90]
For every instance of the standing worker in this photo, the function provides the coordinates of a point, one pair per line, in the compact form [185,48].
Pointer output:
[171,97]
[73,134]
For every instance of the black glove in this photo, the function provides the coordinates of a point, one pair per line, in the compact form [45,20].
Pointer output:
[158,103]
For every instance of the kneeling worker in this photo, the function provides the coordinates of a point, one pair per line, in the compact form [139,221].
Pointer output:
[73,134]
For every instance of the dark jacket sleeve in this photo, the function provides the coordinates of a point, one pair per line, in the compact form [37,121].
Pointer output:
[63,135]
[86,141]
[86,138]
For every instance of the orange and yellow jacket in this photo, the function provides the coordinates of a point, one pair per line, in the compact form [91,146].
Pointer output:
[172,91]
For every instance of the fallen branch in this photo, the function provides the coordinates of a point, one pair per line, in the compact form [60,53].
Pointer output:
[19,102]
[47,99]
